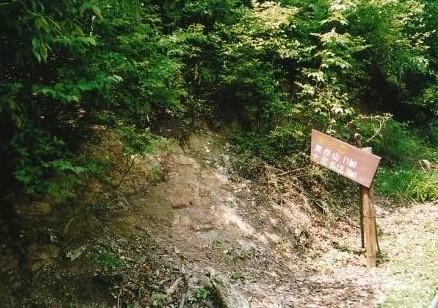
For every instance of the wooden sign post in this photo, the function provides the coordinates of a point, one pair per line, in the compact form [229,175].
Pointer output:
[369,222]
[359,165]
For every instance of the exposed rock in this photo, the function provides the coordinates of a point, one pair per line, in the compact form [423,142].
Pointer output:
[228,296]
[76,253]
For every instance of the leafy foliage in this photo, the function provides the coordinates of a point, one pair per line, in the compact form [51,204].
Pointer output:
[40,44]
[276,68]
[60,81]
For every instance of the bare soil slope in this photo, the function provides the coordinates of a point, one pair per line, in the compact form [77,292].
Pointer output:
[201,236]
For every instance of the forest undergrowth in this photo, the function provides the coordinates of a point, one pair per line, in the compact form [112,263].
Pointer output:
[143,75]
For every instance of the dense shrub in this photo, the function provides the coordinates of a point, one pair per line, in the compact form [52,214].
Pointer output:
[276,68]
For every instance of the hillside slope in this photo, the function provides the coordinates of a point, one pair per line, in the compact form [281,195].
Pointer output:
[201,236]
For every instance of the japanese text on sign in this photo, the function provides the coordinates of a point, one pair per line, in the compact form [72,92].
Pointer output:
[343,158]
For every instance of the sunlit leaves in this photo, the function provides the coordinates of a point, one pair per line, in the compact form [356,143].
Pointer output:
[273,63]
[40,49]
[396,33]
[270,15]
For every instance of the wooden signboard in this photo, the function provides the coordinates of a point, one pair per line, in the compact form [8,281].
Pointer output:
[343,158]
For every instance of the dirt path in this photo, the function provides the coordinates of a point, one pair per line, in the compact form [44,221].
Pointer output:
[224,226]
[252,242]
[409,271]
[204,237]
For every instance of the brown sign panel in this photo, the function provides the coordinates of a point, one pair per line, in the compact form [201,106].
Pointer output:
[343,158]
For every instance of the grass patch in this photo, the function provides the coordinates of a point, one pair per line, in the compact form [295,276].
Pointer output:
[407,183]
[106,260]
[403,175]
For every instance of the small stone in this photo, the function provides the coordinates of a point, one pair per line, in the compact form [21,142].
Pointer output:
[75,254]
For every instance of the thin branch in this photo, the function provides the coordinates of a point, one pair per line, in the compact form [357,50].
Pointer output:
[127,170]
[377,132]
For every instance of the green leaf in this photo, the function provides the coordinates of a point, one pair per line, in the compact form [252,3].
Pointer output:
[65,165]
[36,43]
[115,78]
[96,11]
[44,51]
[41,24]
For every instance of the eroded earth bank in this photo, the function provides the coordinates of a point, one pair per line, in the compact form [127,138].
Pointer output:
[183,229]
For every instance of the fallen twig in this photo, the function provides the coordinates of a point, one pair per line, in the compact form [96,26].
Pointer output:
[184,294]
[173,287]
